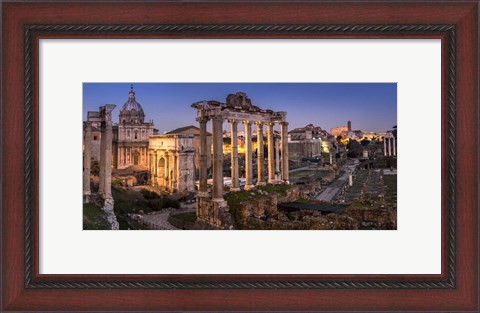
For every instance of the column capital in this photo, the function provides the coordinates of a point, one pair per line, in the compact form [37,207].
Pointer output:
[246,122]
[259,123]
[284,123]
[232,121]
[270,123]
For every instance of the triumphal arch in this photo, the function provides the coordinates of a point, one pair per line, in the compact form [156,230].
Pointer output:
[172,162]
[238,109]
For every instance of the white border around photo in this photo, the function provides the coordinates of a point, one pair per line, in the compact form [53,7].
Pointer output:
[414,248]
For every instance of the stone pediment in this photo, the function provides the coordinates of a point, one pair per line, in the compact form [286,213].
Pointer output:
[237,107]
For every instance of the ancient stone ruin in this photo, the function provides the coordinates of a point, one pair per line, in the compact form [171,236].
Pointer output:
[172,162]
[104,197]
[237,109]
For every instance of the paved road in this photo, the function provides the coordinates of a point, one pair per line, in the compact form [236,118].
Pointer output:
[159,220]
[332,190]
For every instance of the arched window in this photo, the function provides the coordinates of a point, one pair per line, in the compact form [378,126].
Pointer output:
[136,134]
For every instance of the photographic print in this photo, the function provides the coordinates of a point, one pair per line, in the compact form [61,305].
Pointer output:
[240,156]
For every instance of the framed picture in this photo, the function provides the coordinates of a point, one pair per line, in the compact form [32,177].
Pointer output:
[240,156]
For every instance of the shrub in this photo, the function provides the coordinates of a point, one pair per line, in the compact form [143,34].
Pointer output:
[94,217]
[155,204]
[116,182]
[149,195]
[170,203]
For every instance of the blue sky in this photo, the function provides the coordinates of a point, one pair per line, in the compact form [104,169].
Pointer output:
[370,106]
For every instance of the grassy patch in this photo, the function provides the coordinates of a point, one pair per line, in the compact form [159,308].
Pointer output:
[133,201]
[308,175]
[276,189]
[390,182]
[239,196]
[94,218]
[128,201]
[187,217]
[234,198]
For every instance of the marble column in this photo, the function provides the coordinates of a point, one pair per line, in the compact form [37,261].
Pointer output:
[331,158]
[87,142]
[234,157]
[217,122]
[284,142]
[260,160]
[105,177]
[108,151]
[390,146]
[277,160]
[155,169]
[384,146]
[248,156]
[101,163]
[394,149]
[202,171]
[271,153]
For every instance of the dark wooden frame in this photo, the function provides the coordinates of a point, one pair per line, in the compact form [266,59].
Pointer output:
[455,289]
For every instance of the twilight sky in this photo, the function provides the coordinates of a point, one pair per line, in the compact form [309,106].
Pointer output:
[370,106]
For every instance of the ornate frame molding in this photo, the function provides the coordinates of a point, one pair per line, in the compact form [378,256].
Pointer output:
[30,133]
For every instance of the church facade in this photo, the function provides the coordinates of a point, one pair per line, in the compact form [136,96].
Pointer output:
[130,135]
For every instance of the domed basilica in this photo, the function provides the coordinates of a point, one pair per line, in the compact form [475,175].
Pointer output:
[130,135]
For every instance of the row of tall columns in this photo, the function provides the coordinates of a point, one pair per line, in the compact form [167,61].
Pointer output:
[217,138]
[388,146]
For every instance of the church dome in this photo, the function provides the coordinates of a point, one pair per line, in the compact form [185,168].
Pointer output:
[131,111]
